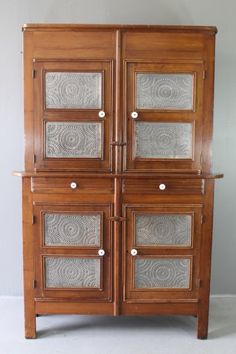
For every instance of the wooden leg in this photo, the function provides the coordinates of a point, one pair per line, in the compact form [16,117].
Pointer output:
[30,322]
[202,324]
[30,328]
[28,253]
[205,263]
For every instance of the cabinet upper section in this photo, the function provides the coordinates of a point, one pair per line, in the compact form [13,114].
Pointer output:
[118,98]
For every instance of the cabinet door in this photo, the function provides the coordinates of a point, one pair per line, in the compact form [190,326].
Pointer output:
[164,105]
[73,251]
[161,253]
[73,115]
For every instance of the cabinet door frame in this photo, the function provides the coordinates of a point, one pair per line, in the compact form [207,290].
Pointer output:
[191,252]
[43,115]
[100,294]
[193,116]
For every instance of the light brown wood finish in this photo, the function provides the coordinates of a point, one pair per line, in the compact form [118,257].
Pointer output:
[28,259]
[118,186]
[159,175]
[172,186]
[60,185]
[205,262]
[95,27]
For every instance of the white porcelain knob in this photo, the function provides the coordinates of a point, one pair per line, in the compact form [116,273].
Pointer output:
[134,252]
[101,114]
[73,185]
[134,115]
[162,187]
[101,252]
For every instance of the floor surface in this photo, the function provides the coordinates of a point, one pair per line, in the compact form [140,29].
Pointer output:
[76,334]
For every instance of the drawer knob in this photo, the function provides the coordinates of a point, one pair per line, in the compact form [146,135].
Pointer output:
[134,115]
[134,252]
[73,185]
[101,114]
[101,252]
[162,187]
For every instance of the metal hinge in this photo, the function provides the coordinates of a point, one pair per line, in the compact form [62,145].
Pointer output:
[204,74]
[33,74]
[201,158]
[34,284]
[33,219]
[203,219]
[117,219]
[199,283]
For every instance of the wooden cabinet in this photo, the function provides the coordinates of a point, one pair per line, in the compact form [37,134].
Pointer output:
[117,187]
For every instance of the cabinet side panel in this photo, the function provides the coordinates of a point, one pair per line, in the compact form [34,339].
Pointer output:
[205,261]
[28,261]
[208,103]
[28,99]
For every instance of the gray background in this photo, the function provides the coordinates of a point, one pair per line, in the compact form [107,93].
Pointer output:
[13,13]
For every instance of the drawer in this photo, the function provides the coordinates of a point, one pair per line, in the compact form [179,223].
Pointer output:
[67,185]
[163,186]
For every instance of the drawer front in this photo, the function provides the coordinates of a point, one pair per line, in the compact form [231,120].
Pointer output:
[163,186]
[71,185]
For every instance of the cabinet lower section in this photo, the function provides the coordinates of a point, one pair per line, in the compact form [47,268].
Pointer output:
[116,252]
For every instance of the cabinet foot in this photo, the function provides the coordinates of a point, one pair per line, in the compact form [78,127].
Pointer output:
[30,328]
[30,336]
[202,326]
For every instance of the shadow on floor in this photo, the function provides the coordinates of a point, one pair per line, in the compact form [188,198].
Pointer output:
[222,321]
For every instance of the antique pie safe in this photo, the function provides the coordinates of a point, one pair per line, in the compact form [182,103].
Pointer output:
[117,186]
